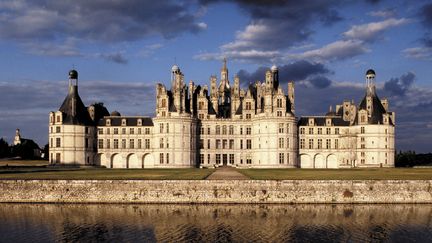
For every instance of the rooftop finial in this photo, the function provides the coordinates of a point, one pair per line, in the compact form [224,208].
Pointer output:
[224,63]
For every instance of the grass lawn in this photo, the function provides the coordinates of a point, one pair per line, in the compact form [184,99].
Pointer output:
[339,174]
[19,162]
[105,174]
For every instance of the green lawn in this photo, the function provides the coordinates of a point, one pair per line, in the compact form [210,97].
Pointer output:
[105,174]
[340,174]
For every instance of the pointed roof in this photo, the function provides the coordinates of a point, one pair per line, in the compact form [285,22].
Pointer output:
[378,109]
[74,111]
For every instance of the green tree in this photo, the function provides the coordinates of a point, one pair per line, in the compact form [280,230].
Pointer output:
[4,148]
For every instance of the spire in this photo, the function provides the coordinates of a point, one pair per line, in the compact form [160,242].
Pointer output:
[224,64]
[370,82]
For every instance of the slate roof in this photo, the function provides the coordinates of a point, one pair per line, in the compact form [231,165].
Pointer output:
[130,121]
[321,121]
[378,110]
[74,111]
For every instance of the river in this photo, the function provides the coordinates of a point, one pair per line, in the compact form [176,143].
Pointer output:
[214,223]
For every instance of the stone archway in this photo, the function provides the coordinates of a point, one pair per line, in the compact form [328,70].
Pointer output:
[332,162]
[117,161]
[147,161]
[305,161]
[133,162]
[319,161]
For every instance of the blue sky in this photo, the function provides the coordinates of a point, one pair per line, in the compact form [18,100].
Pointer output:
[122,48]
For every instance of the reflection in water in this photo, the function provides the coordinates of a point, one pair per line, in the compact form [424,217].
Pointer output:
[215,223]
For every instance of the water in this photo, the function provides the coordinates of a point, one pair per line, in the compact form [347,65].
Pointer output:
[215,223]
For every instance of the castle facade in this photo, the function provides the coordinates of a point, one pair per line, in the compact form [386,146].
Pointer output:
[198,126]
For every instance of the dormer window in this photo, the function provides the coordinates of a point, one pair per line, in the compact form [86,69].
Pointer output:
[311,121]
[328,122]
[123,122]
[139,122]
[108,122]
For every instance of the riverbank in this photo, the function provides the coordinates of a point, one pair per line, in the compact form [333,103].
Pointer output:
[216,191]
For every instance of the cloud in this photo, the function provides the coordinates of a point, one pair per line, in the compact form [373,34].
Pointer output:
[249,55]
[400,86]
[386,13]
[420,53]
[338,50]
[426,15]
[115,57]
[297,71]
[371,31]
[320,82]
[103,21]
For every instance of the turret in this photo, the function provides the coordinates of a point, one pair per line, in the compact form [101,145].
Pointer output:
[291,95]
[17,139]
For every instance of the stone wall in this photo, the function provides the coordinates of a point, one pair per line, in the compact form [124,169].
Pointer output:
[227,191]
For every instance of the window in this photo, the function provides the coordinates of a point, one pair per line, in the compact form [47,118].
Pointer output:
[319,130]
[147,130]
[167,127]
[131,130]
[336,130]
[248,161]
[201,130]
[58,142]
[241,144]
[279,113]
[363,146]
[201,116]
[139,130]
[100,130]
[363,139]
[328,143]
[319,143]
[248,144]
[139,143]
[115,130]
[248,106]
[51,129]
[124,122]
[248,116]
[248,130]
[116,143]
[328,130]
[224,130]
[336,143]
[51,143]
[167,158]
[123,130]
[164,103]
[139,123]
[281,127]
[58,129]
[279,103]
[302,130]
[241,130]
[231,143]
[231,159]
[231,130]
[108,131]
[302,143]
[108,144]
[281,142]
[218,144]
[161,158]
[218,158]
[86,143]
[224,144]
[217,129]
[161,143]
[100,143]
[208,158]
[200,105]
[310,144]
[58,118]
[288,143]
[201,159]
[208,130]
[86,130]
[281,158]
[311,130]
[363,119]
[161,128]
[288,128]
[362,129]
[201,143]
[131,143]
[123,143]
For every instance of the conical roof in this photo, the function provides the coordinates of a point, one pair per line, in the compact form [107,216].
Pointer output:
[74,111]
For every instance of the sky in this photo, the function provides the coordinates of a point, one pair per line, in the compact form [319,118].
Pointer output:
[122,48]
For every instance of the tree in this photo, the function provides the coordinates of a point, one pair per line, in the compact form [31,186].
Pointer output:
[46,152]
[4,148]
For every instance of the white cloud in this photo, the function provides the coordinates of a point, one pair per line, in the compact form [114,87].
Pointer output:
[420,53]
[338,50]
[251,55]
[371,31]
[387,13]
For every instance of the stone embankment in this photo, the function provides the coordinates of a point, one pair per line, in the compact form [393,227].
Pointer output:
[216,191]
